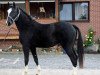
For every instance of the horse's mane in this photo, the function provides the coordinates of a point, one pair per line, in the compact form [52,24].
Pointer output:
[26,14]
[30,18]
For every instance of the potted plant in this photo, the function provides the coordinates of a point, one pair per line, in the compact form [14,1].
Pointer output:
[89,44]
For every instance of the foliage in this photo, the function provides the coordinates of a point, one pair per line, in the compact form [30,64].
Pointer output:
[89,41]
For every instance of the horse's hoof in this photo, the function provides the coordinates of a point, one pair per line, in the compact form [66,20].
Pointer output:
[74,71]
[38,70]
[74,74]
[38,73]
[24,73]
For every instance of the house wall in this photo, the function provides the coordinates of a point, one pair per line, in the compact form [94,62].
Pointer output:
[94,14]
[7,43]
[21,5]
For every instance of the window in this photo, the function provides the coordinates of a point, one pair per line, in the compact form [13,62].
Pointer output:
[66,12]
[78,11]
[81,11]
[40,10]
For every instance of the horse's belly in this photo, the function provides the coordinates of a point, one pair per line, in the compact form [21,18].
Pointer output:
[46,44]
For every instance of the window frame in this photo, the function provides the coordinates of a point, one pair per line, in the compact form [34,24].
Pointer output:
[73,11]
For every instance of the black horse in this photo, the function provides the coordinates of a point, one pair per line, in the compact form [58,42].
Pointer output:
[33,34]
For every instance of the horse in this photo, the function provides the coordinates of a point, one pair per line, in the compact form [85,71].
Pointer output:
[33,34]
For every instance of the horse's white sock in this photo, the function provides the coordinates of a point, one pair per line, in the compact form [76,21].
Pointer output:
[26,69]
[38,70]
[74,71]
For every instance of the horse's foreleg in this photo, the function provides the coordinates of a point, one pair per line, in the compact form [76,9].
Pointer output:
[26,58]
[75,63]
[38,69]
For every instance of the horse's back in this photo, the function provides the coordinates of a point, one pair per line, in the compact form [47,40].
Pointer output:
[54,33]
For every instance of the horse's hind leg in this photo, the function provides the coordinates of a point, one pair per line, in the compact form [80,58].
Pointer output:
[33,51]
[73,57]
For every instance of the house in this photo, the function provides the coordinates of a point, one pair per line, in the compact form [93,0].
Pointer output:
[82,13]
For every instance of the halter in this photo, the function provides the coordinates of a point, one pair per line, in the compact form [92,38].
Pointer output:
[15,17]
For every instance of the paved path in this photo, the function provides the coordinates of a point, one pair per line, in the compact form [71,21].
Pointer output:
[47,61]
[51,64]
[49,72]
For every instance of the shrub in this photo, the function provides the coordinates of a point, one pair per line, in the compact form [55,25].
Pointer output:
[89,41]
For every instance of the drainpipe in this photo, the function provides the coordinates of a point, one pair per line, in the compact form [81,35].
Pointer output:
[27,5]
[57,10]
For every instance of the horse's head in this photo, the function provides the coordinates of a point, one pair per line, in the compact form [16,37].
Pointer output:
[13,14]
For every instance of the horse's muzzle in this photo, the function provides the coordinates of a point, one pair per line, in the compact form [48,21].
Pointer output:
[8,23]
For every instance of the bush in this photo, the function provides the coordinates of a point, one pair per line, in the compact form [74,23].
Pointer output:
[89,41]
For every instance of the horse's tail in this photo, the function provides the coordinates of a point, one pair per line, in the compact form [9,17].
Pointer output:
[80,47]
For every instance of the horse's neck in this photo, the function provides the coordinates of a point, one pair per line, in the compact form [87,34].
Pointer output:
[24,22]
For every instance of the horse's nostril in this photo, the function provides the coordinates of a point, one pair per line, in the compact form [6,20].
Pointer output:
[8,23]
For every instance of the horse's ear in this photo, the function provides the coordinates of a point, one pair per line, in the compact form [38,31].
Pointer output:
[14,4]
[8,4]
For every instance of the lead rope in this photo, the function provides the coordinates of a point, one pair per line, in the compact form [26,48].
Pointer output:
[7,34]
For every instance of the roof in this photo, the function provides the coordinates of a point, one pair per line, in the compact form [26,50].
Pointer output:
[22,1]
[4,29]
[6,1]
